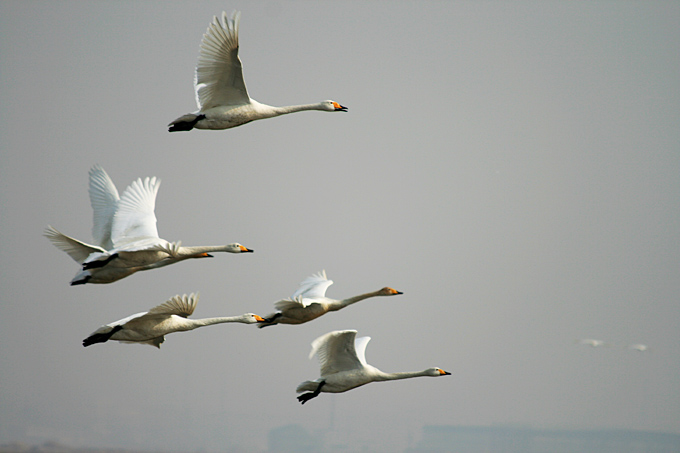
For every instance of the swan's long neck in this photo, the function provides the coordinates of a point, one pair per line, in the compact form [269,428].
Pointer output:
[296,108]
[338,304]
[382,376]
[195,323]
[189,252]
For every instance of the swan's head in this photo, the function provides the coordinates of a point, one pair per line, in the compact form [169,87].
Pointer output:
[333,106]
[387,291]
[237,248]
[436,372]
[251,318]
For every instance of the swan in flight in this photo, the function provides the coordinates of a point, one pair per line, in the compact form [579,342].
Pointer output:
[639,347]
[591,342]
[310,301]
[125,234]
[151,327]
[342,357]
[221,95]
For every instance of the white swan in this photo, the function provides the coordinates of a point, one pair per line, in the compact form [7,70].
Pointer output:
[344,367]
[221,94]
[125,234]
[310,301]
[592,342]
[151,327]
[639,347]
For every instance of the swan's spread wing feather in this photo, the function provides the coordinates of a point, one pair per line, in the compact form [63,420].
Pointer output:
[360,348]
[104,200]
[313,287]
[336,352]
[219,75]
[76,249]
[289,304]
[135,216]
[179,305]
[153,342]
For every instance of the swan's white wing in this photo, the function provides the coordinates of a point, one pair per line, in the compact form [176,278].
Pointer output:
[76,249]
[104,200]
[179,305]
[313,287]
[336,352]
[360,348]
[288,304]
[219,75]
[135,216]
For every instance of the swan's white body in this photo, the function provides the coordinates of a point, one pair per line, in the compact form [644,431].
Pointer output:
[125,234]
[151,327]
[342,358]
[310,301]
[221,94]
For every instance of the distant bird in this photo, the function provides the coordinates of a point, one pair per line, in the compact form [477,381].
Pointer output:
[639,347]
[221,95]
[151,327]
[343,366]
[310,301]
[591,342]
[125,234]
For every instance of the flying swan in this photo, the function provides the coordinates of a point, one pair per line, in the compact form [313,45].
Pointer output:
[221,94]
[151,327]
[310,301]
[342,357]
[125,234]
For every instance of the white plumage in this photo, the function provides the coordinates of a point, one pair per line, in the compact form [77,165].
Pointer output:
[342,361]
[221,94]
[151,327]
[125,234]
[309,301]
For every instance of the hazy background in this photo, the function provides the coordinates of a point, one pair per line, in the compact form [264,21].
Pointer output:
[513,168]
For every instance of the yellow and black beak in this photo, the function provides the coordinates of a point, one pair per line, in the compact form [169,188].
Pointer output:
[259,318]
[444,373]
[339,108]
[246,250]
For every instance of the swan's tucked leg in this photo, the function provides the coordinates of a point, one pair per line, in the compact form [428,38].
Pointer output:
[185,123]
[82,281]
[308,396]
[99,263]
[270,321]
[100,337]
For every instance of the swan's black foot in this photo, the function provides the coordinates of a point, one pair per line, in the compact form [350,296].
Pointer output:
[99,263]
[81,281]
[100,337]
[308,396]
[269,321]
[185,125]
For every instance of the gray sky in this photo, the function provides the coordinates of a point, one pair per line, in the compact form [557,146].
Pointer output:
[512,168]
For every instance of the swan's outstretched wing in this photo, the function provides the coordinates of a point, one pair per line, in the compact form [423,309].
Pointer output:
[336,352]
[135,217]
[219,74]
[76,249]
[104,200]
[313,287]
[178,305]
[289,304]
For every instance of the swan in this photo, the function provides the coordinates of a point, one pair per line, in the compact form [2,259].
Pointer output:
[638,347]
[591,342]
[125,234]
[151,327]
[342,357]
[310,301]
[221,93]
